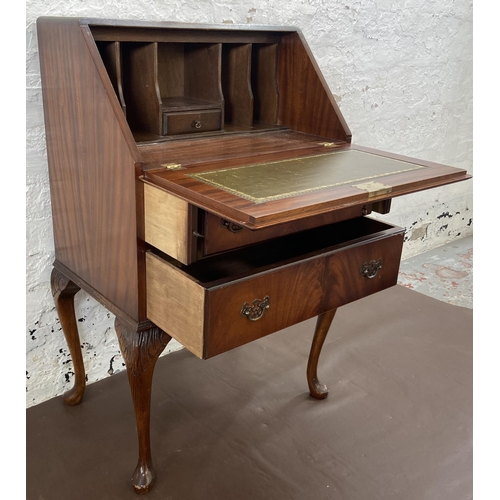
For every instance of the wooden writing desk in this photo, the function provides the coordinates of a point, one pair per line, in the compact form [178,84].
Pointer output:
[204,188]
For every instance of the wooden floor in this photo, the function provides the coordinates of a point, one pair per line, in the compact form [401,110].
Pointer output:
[397,424]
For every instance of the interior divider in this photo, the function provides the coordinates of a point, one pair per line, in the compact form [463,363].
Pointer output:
[111,56]
[153,78]
[140,86]
[236,84]
[170,71]
[264,84]
[202,72]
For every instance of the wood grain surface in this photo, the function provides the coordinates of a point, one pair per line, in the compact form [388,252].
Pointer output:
[303,275]
[175,303]
[169,223]
[93,208]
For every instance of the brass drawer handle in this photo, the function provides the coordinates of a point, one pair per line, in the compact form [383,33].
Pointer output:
[370,269]
[231,226]
[256,309]
[197,124]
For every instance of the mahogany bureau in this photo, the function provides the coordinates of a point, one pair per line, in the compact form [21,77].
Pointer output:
[204,187]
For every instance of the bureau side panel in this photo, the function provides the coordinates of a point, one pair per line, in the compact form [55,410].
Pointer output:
[91,166]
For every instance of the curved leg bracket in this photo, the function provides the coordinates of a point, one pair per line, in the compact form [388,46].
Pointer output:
[64,291]
[141,350]
[317,389]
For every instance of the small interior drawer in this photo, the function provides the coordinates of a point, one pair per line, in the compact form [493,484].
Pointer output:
[192,122]
[230,299]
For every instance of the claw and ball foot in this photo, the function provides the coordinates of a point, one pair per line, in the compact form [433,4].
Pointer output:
[317,389]
[64,291]
[140,350]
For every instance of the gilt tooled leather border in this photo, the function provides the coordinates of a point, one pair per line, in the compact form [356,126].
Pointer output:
[205,177]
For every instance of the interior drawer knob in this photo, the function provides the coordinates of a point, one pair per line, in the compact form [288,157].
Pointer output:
[370,269]
[256,309]
[197,124]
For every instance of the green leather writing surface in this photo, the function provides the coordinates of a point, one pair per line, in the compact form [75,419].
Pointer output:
[264,182]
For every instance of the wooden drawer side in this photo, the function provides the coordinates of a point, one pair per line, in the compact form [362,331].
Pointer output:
[175,303]
[168,223]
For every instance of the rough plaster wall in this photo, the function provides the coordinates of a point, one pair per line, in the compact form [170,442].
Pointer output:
[401,73]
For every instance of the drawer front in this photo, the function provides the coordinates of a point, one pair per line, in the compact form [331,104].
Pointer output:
[298,292]
[212,320]
[191,122]
[220,235]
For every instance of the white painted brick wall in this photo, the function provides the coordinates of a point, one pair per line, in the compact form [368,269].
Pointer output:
[401,73]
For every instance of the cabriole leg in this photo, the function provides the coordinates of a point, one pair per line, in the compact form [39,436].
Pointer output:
[141,350]
[64,291]
[317,389]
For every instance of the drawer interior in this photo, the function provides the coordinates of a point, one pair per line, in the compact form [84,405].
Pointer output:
[236,264]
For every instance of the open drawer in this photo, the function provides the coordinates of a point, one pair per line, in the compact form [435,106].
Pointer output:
[187,233]
[224,301]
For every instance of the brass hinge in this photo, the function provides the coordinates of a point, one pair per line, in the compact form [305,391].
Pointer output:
[171,166]
[374,188]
